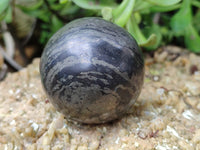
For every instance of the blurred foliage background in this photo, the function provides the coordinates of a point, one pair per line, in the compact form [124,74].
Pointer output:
[26,25]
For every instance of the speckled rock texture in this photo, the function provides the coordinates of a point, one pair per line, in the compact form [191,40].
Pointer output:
[92,70]
[165,116]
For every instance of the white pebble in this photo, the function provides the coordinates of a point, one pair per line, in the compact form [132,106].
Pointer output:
[17,91]
[35,126]
[188,115]
[13,122]
[161,147]
[197,73]
[173,131]
[30,121]
[31,85]
[34,96]
[136,144]
[117,140]
[155,78]
[160,91]
[11,91]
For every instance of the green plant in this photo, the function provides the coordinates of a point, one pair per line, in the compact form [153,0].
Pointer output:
[131,13]
[5,11]
[152,22]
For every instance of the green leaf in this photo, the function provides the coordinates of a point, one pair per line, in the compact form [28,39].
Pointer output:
[57,7]
[135,31]
[69,10]
[91,4]
[137,17]
[3,14]
[192,39]
[122,18]
[196,20]
[107,13]
[142,7]
[4,5]
[182,18]
[117,11]
[63,1]
[154,30]
[56,24]
[41,14]
[36,10]
[164,8]
[44,36]
[151,41]
[4,9]
[163,2]
[8,17]
[196,3]
[31,7]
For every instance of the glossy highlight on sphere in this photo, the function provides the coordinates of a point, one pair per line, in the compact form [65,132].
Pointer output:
[92,70]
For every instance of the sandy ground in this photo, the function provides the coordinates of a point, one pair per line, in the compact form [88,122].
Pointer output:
[166,116]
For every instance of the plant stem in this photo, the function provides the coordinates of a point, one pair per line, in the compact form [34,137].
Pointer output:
[141,6]
[13,63]
[120,8]
[135,31]
[165,9]
[124,15]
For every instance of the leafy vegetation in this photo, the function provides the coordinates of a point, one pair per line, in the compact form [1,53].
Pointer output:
[152,22]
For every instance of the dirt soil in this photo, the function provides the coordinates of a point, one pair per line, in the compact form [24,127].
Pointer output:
[166,116]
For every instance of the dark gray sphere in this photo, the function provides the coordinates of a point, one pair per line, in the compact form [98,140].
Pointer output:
[92,70]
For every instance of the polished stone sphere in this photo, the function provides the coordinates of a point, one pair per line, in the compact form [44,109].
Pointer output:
[92,70]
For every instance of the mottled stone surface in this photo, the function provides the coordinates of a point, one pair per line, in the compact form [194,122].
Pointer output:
[92,70]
